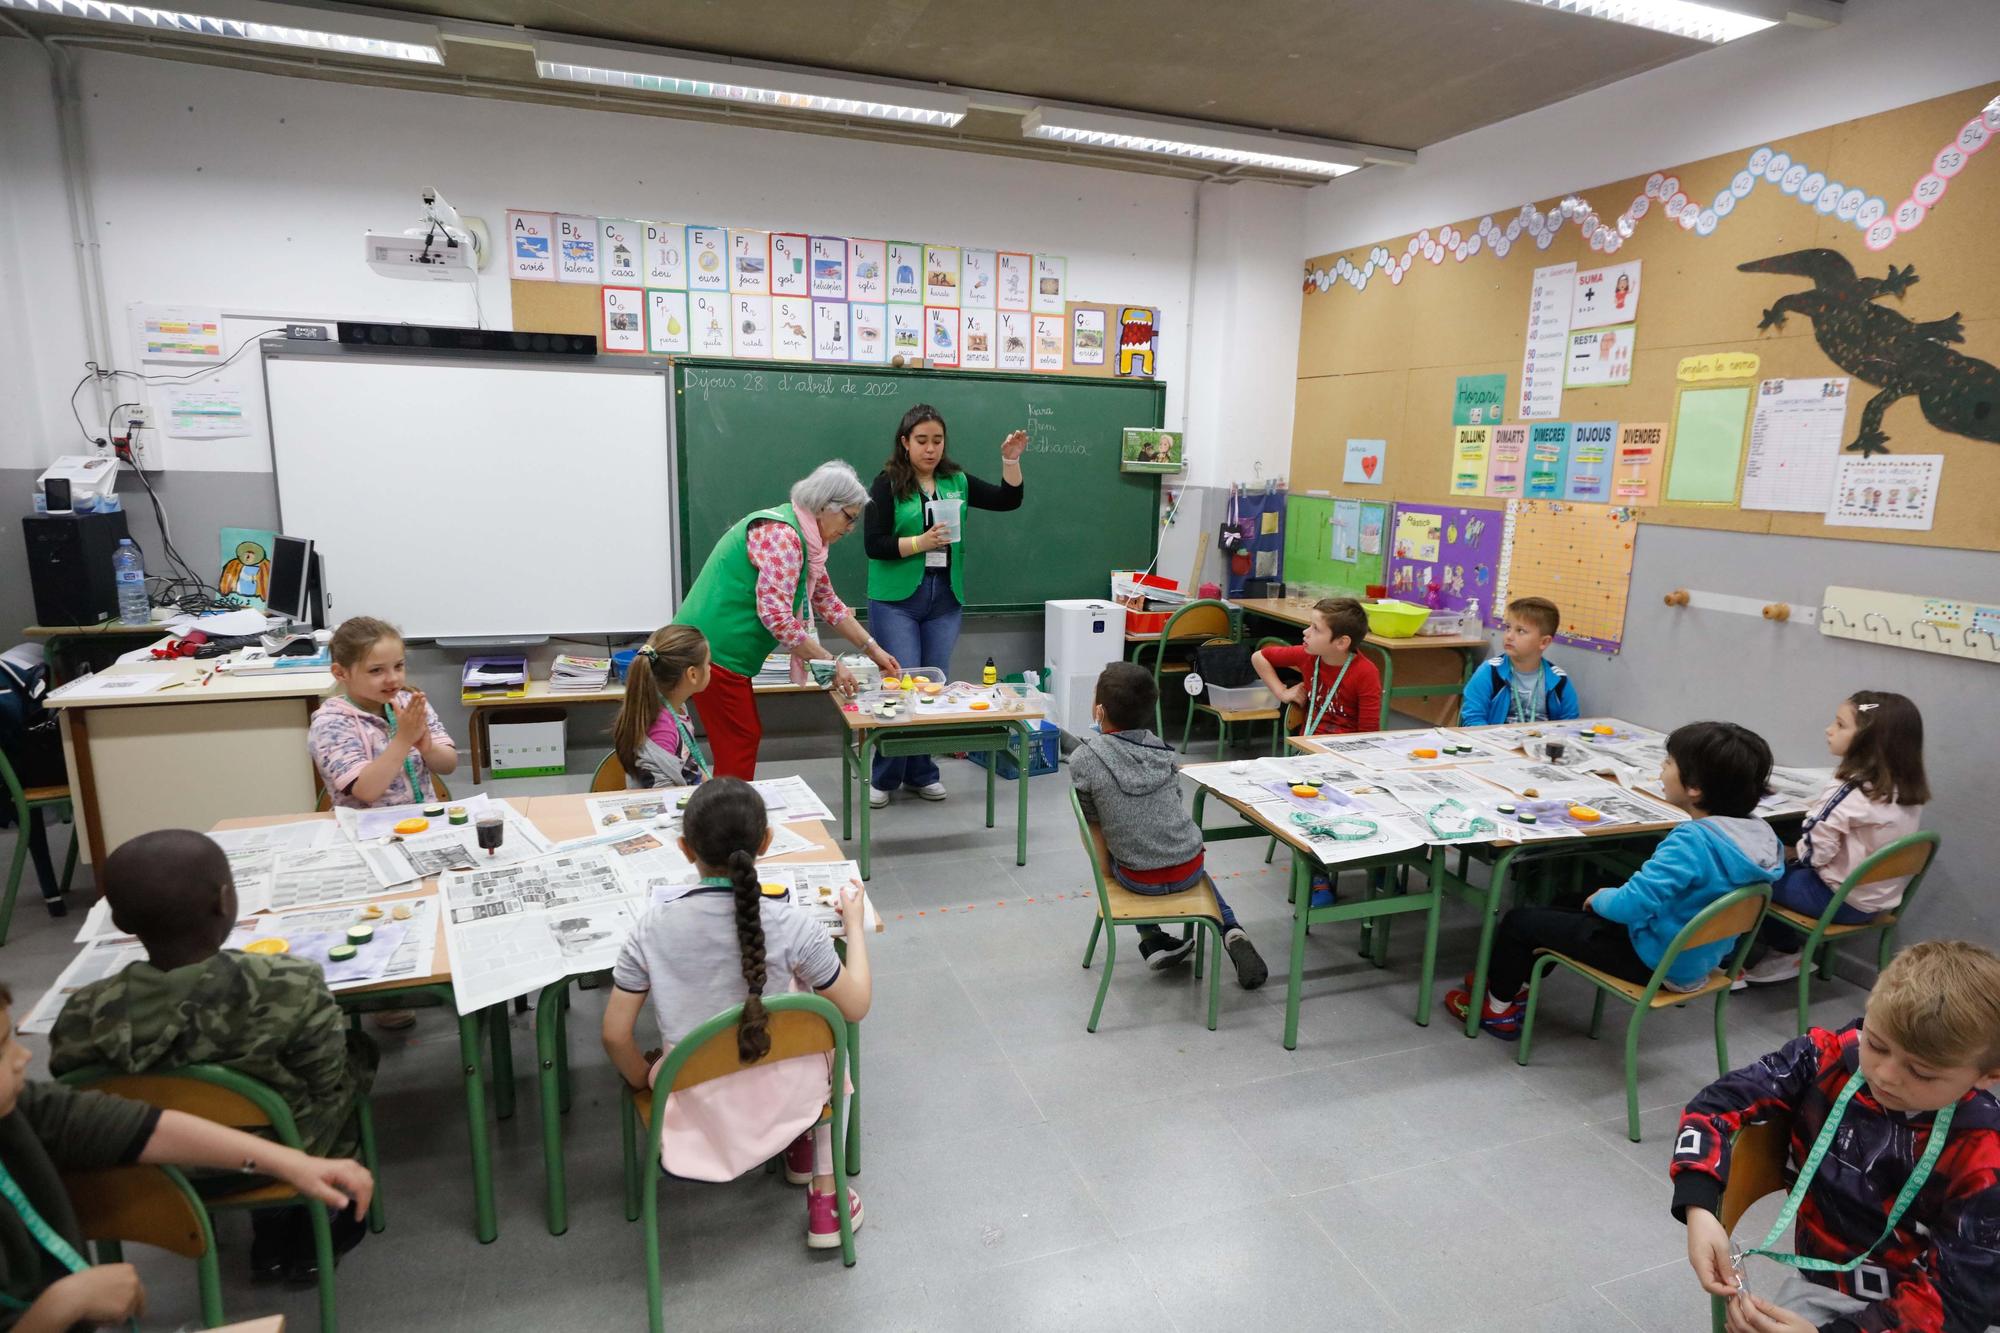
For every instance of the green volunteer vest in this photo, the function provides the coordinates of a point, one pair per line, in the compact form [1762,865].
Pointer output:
[894,580]
[722,604]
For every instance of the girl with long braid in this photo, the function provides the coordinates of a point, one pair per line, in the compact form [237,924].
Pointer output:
[723,943]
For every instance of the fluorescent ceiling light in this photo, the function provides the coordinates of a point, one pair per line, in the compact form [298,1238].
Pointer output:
[747,85]
[251,21]
[1682,18]
[1215,144]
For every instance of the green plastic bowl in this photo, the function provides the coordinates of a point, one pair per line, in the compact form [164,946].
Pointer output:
[1395,620]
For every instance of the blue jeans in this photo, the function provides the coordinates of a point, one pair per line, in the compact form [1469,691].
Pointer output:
[1804,892]
[920,630]
[1164,890]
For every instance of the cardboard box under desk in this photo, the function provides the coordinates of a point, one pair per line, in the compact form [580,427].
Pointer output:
[529,743]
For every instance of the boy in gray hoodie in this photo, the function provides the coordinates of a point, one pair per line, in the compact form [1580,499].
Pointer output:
[1128,784]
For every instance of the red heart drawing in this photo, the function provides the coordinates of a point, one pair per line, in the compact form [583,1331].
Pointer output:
[1368,462]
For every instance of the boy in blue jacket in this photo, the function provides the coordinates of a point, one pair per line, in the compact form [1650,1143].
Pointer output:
[1521,685]
[1716,771]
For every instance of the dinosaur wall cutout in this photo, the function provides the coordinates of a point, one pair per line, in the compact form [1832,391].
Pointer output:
[1882,347]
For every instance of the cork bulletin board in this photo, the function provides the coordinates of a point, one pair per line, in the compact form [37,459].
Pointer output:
[1380,358]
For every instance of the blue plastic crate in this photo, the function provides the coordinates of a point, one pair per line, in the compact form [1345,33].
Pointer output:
[1045,754]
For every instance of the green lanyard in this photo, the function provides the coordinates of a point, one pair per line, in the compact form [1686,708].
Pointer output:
[687,739]
[1940,1127]
[1326,700]
[1524,703]
[45,1236]
[409,760]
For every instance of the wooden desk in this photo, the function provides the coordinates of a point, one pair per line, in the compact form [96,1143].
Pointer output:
[561,818]
[480,723]
[1419,660]
[57,638]
[188,754]
[916,732]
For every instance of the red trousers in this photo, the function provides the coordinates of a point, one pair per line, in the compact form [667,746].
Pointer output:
[728,712]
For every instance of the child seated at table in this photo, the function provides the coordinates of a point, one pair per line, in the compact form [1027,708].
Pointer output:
[267,1016]
[1918,1070]
[1716,772]
[48,1128]
[1521,685]
[375,742]
[652,738]
[720,944]
[1339,688]
[1128,785]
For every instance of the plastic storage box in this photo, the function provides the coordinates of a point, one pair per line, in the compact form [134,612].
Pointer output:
[1043,754]
[1241,697]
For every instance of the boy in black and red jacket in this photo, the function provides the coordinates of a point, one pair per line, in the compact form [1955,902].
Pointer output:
[1930,1039]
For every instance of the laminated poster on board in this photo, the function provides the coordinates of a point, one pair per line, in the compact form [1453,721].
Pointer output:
[870,330]
[976,346]
[667,322]
[1548,460]
[621,252]
[1600,357]
[750,263]
[665,255]
[530,251]
[1479,400]
[1048,343]
[906,331]
[1363,465]
[905,269]
[624,319]
[576,249]
[829,268]
[709,320]
[833,334]
[977,287]
[707,259]
[1013,329]
[1016,276]
[1138,342]
[941,335]
[1642,447]
[1894,491]
[1507,462]
[868,270]
[1087,335]
[791,273]
[1588,478]
[1051,291]
[1469,448]
[1605,295]
[792,328]
[941,265]
[750,325]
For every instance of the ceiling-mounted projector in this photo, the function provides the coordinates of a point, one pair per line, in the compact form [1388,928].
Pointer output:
[443,248]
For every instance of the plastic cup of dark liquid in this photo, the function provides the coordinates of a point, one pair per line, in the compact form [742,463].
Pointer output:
[1555,749]
[491,830]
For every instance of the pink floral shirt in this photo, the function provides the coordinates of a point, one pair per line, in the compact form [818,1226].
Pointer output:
[344,740]
[778,554]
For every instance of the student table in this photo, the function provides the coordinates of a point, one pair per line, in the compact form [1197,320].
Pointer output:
[1433,668]
[1009,728]
[479,721]
[1602,845]
[561,818]
[189,753]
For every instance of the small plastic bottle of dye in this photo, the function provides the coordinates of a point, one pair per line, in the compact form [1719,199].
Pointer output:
[991,675]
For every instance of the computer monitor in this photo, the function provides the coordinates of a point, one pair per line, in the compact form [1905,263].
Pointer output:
[294,580]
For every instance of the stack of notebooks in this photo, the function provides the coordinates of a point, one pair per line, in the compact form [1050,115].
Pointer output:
[578,675]
[501,677]
[777,670]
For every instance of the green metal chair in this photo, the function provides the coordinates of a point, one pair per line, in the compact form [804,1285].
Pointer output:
[1910,856]
[801,1024]
[1758,1160]
[1194,908]
[225,1097]
[1193,624]
[1736,913]
[31,804]
[151,1205]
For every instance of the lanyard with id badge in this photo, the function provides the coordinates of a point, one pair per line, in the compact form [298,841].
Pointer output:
[1326,700]
[45,1236]
[1940,1127]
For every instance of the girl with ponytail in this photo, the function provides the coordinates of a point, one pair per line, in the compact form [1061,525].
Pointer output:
[719,944]
[652,738]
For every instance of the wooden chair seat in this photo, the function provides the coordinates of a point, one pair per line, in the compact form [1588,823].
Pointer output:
[275,1194]
[1806,923]
[1632,990]
[1176,668]
[1234,715]
[40,795]
[1129,906]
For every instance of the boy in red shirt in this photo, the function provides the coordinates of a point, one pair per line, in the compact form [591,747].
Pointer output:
[1339,690]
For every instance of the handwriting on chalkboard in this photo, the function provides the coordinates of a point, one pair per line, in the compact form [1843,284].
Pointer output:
[702,383]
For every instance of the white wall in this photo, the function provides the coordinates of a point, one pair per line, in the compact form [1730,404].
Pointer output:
[252,191]
[1785,80]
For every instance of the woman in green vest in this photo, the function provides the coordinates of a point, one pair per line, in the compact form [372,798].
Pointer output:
[763,586]
[916,562]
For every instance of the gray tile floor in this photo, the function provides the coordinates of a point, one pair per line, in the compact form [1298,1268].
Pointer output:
[1022,1173]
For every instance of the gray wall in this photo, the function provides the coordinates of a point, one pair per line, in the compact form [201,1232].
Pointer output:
[198,503]
[1784,681]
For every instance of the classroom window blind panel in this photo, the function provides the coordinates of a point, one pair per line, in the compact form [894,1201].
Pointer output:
[478,498]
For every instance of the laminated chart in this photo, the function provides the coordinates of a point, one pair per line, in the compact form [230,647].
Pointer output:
[1579,556]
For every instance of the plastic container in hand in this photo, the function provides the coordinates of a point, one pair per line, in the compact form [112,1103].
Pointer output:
[129,570]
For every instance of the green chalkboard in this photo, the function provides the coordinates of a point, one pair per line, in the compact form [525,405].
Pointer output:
[746,430]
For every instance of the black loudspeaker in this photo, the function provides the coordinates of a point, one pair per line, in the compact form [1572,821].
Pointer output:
[428,338]
[69,566]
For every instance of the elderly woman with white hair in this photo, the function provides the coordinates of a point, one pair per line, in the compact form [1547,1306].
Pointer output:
[764,587]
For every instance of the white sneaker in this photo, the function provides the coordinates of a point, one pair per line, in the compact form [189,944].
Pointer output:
[931,791]
[1775,968]
[877,798]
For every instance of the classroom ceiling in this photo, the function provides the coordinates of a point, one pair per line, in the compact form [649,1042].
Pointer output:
[1396,73]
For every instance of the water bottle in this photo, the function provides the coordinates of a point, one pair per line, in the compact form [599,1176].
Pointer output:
[1470,623]
[130,572]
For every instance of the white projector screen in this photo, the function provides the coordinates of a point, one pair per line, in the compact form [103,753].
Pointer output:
[479,498]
